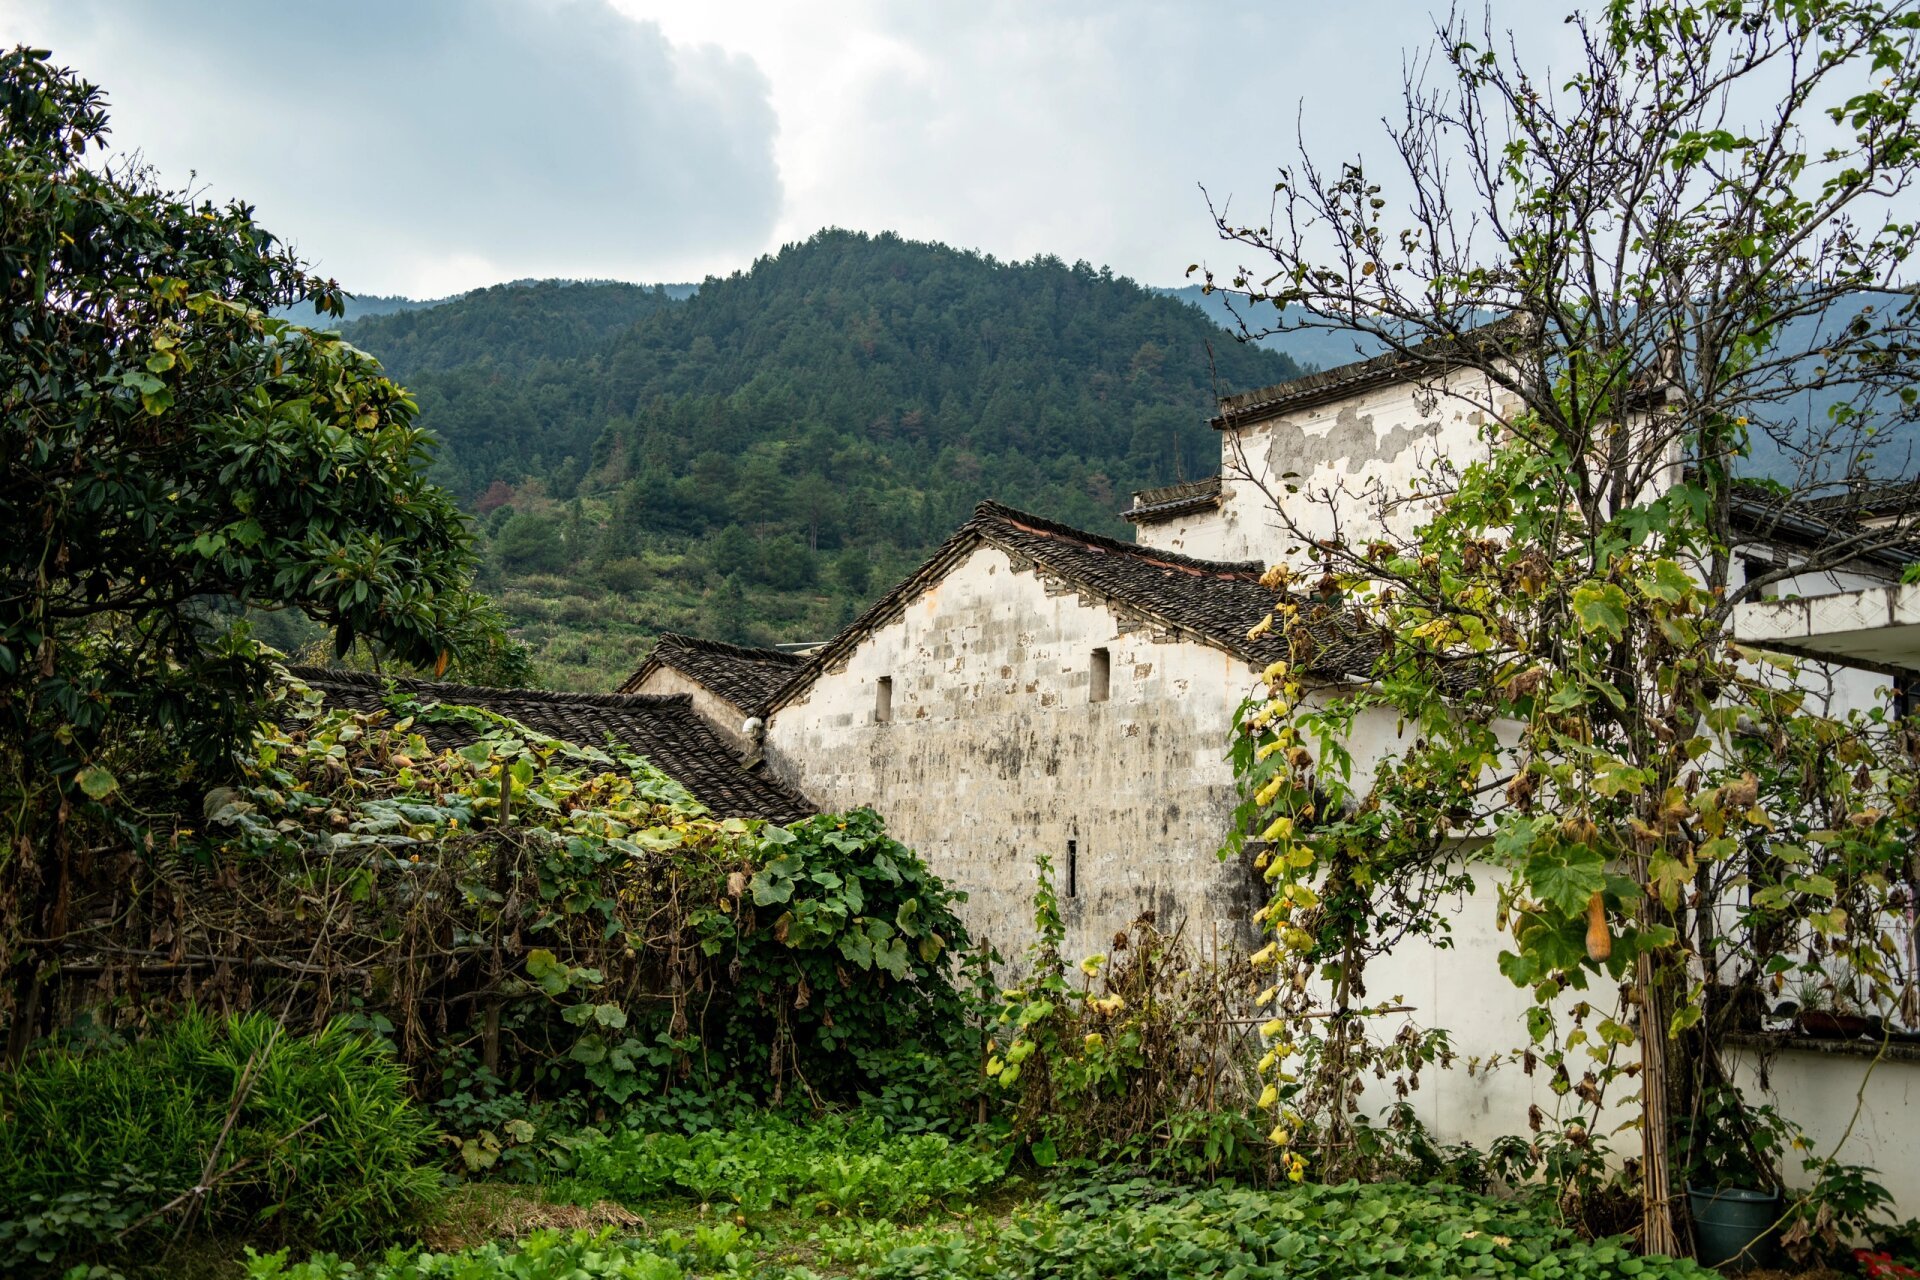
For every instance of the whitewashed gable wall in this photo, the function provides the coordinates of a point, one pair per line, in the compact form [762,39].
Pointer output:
[994,753]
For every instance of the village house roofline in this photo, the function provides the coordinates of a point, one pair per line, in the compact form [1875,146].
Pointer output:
[1427,359]
[744,676]
[664,728]
[1209,602]
[1760,515]
[1151,506]
[1871,500]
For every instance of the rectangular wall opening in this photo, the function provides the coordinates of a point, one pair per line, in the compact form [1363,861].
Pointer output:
[1101,681]
[1073,868]
[883,700]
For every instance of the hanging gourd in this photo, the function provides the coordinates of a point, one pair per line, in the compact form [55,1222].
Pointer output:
[1599,937]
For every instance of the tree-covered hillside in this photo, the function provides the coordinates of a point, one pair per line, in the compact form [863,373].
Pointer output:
[757,460]
[509,327]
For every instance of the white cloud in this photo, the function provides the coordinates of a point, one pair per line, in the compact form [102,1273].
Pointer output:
[430,144]
[1080,129]
[408,147]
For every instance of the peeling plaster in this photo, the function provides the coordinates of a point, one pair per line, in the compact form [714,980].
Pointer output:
[1353,443]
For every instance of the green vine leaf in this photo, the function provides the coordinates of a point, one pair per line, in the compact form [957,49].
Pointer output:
[1602,609]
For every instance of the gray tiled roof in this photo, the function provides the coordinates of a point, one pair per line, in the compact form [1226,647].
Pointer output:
[1871,500]
[1425,360]
[1758,514]
[666,730]
[1173,500]
[744,676]
[1210,602]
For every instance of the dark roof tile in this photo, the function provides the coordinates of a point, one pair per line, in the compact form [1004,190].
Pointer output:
[1151,505]
[1871,500]
[1424,360]
[666,730]
[746,677]
[1212,602]
[1760,514]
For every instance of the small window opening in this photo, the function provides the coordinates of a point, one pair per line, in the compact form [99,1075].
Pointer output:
[883,700]
[1754,568]
[1073,868]
[1102,681]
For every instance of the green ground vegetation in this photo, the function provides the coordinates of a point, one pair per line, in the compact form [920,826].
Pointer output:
[1102,1226]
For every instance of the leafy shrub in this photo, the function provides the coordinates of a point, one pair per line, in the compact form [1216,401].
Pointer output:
[639,953]
[1137,1059]
[324,1143]
[832,1165]
[625,576]
[1309,1232]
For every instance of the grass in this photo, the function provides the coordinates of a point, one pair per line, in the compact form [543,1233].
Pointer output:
[220,1124]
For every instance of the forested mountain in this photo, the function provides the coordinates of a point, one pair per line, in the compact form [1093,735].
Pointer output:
[509,327]
[361,305]
[756,460]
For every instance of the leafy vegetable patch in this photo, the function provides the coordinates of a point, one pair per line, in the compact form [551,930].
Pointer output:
[1337,1232]
[831,1166]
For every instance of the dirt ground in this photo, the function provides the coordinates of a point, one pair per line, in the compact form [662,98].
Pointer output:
[482,1211]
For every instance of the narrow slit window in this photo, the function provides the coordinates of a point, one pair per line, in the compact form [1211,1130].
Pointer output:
[1101,683]
[1073,868]
[883,700]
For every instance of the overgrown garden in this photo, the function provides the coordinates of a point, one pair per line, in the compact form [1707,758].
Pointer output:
[298,991]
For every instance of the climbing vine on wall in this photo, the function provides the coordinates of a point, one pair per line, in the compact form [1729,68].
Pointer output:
[1663,812]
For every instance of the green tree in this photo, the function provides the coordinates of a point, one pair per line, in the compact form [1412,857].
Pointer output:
[165,445]
[1682,277]
[853,571]
[531,544]
[726,615]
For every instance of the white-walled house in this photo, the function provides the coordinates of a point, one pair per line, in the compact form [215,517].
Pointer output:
[1036,689]
[729,683]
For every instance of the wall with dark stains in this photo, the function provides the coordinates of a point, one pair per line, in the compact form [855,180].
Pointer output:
[1352,467]
[995,753]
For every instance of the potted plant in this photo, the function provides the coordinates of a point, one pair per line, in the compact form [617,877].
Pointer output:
[1733,1187]
[1828,1012]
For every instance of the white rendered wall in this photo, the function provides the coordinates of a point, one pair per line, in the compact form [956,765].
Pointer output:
[1200,534]
[994,753]
[1822,1091]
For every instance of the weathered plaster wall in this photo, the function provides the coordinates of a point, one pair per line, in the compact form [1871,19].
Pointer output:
[1359,452]
[1197,534]
[725,718]
[994,753]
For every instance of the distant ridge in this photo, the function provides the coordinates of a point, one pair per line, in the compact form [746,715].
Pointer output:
[949,375]
[361,306]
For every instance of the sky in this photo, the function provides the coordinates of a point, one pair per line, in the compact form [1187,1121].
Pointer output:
[425,147]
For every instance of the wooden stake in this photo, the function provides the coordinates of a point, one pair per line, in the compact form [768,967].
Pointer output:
[490,1033]
[1656,1197]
